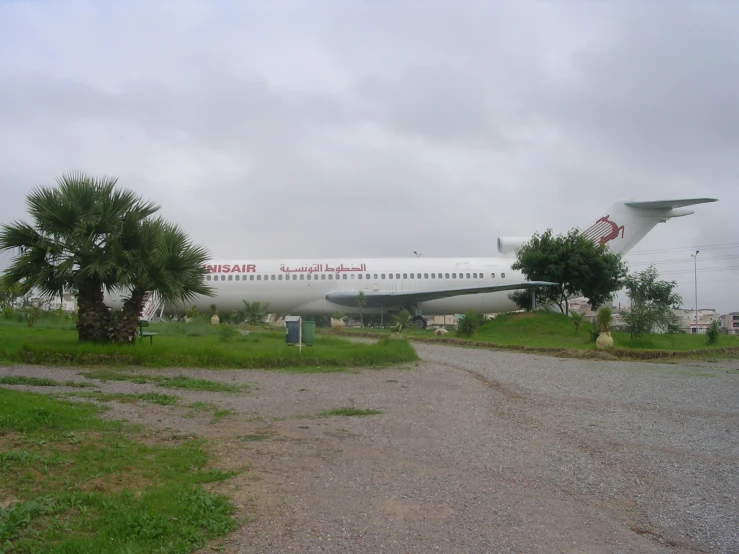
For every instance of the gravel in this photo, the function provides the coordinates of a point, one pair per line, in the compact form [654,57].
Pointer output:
[474,451]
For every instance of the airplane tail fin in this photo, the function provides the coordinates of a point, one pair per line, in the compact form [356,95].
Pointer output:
[626,223]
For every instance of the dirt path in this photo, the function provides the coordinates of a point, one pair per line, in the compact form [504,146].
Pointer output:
[474,451]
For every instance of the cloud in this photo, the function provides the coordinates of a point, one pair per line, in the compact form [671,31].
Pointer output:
[376,129]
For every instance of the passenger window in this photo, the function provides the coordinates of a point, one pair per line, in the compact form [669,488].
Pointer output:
[295,277]
[223,277]
[279,277]
[418,275]
[302,277]
[352,276]
[405,275]
[412,276]
[230,277]
[397,275]
[238,277]
[207,277]
[251,277]
[272,278]
[474,275]
[330,276]
[446,276]
[360,276]
[468,275]
[492,275]
[383,276]
[368,276]
[390,275]
[425,275]
[502,275]
[454,275]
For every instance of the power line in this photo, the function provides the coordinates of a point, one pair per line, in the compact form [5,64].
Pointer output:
[700,270]
[684,260]
[685,248]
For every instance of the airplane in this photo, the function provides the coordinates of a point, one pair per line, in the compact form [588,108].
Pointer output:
[423,286]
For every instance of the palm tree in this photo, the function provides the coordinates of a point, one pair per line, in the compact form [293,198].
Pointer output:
[402,320]
[361,303]
[255,312]
[158,258]
[79,228]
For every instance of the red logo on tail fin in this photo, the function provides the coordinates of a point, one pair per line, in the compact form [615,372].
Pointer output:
[603,231]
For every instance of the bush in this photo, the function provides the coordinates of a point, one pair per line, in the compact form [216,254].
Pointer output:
[713,332]
[604,319]
[469,323]
[227,333]
[577,319]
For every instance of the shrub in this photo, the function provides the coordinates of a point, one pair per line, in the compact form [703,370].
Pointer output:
[402,320]
[604,319]
[227,333]
[713,332]
[468,324]
[577,319]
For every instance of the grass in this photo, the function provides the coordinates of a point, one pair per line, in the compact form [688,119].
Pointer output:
[178,382]
[550,331]
[128,398]
[71,482]
[179,345]
[40,382]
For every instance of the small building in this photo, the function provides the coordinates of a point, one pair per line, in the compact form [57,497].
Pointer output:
[729,323]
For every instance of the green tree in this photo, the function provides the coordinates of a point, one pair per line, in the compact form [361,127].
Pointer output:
[255,312]
[651,303]
[159,257]
[581,268]
[361,303]
[91,237]
[78,228]
[9,292]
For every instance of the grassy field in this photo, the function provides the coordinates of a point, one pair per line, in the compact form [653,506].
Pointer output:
[195,345]
[555,331]
[71,482]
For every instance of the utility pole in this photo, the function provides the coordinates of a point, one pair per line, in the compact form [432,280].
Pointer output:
[695,269]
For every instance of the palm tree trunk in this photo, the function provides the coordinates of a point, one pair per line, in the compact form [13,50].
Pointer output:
[128,322]
[93,315]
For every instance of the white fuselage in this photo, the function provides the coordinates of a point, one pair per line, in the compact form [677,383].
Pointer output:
[300,286]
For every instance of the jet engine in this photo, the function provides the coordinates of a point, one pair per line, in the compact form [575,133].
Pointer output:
[509,245]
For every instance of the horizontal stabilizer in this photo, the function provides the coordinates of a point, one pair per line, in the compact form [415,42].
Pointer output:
[669,204]
[379,298]
[627,222]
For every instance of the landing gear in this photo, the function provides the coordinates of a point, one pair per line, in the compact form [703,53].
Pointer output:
[419,322]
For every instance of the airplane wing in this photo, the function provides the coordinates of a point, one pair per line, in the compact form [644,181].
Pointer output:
[379,298]
[669,204]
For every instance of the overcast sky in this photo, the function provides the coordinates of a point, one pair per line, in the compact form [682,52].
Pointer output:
[376,128]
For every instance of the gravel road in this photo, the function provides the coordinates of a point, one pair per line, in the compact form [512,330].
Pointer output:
[474,451]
